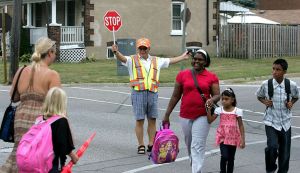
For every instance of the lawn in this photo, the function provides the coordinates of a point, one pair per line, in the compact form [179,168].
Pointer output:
[105,71]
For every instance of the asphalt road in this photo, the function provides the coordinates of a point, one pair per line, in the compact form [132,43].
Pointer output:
[107,111]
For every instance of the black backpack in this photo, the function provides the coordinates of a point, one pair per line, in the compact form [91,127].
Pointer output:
[287,87]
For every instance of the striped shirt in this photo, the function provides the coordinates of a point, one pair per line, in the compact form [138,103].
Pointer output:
[278,116]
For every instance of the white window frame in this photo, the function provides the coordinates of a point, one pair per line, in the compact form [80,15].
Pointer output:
[108,49]
[176,32]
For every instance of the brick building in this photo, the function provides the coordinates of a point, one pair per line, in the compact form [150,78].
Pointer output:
[80,22]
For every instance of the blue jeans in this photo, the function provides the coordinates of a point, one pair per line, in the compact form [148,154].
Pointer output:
[278,145]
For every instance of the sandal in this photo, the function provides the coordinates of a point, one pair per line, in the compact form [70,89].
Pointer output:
[141,149]
[149,148]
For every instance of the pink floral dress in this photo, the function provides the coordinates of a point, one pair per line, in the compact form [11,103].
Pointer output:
[228,131]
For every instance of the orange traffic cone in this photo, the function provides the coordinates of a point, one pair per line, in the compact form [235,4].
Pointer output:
[80,151]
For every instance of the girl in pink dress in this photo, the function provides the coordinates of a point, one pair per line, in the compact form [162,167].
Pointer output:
[230,133]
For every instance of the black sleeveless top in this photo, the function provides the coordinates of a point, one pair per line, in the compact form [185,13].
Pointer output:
[62,142]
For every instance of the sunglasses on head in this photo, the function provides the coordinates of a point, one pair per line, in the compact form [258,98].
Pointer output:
[143,48]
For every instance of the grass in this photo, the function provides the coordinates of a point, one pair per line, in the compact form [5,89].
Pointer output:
[105,71]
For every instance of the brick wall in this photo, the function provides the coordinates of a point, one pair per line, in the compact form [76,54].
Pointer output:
[54,34]
[278,4]
[87,19]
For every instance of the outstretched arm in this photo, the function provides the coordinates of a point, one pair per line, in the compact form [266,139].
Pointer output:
[118,54]
[173,101]
[182,57]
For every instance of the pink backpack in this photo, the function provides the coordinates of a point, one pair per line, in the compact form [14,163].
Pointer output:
[165,146]
[35,151]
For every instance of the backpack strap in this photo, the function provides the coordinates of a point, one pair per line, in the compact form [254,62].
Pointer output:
[49,120]
[16,85]
[287,87]
[53,119]
[270,88]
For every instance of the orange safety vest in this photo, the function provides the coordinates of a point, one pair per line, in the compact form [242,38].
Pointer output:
[141,79]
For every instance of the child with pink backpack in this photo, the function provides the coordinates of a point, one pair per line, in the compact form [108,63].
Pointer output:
[44,147]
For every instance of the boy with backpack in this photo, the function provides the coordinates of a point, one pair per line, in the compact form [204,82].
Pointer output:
[279,95]
[44,147]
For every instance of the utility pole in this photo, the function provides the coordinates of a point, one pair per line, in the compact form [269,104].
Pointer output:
[183,32]
[4,45]
[15,39]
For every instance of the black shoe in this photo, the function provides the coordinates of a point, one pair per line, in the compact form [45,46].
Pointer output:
[149,148]
[141,149]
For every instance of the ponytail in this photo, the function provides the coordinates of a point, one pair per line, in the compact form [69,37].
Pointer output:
[42,47]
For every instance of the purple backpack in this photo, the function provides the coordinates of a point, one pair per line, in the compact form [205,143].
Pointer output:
[165,146]
[35,151]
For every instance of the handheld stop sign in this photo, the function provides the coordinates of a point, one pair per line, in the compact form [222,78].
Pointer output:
[112,21]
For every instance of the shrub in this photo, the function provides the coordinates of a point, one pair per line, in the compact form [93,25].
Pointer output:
[25,57]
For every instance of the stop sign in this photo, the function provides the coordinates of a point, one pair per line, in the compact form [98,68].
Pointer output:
[112,20]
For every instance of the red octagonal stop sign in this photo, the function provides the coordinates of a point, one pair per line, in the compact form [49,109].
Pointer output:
[112,20]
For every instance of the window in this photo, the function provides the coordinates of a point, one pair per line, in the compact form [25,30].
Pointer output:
[38,15]
[71,13]
[176,22]
[109,53]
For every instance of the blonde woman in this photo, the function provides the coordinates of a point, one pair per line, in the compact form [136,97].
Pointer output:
[34,83]
[56,104]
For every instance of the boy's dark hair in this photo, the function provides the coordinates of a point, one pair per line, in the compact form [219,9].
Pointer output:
[230,93]
[282,63]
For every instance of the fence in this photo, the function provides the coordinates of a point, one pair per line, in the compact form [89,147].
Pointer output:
[72,35]
[259,41]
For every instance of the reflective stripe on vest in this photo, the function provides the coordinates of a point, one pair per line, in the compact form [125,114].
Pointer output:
[141,79]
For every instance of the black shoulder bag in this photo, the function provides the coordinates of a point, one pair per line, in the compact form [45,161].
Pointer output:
[202,94]
[7,125]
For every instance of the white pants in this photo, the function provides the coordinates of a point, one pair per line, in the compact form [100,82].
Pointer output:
[195,135]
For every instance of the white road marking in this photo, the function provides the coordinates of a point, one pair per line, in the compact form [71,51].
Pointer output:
[106,102]
[113,91]
[241,85]
[6,150]
[259,122]
[186,158]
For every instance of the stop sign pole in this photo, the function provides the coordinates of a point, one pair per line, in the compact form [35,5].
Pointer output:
[112,21]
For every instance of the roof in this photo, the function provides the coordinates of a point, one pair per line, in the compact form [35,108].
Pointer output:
[251,18]
[285,17]
[230,7]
